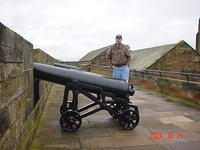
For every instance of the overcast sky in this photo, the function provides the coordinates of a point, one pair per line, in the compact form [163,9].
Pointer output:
[69,29]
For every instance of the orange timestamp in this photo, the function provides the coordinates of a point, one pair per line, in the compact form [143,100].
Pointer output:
[170,135]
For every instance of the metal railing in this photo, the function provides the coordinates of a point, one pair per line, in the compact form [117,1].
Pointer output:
[161,73]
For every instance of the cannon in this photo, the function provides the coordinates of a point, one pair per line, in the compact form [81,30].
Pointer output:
[109,94]
[66,66]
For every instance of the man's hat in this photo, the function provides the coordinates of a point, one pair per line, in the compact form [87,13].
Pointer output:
[118,36]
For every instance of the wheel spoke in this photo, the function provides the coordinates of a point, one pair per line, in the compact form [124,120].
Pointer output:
[129,120]
[131,124]
[70,121]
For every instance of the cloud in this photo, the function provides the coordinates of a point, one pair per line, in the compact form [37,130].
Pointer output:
[69,29]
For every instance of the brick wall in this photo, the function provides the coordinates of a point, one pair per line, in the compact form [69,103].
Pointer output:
[18,114]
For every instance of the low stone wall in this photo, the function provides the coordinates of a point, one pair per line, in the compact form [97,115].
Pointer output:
[189,91]
[18,113]
[100,70]
[173,87]
[72,63]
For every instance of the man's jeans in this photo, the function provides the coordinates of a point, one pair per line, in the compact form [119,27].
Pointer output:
[121,73]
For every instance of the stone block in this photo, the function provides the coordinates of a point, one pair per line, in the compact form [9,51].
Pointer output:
[12,137]
[2,34]
[26,106]
[191,86]
[10,38]
[27,50]
[12,70]
[4,121]
[30,85]
[23,105]
[1,71]
[9,54]
[13,47]
[28,109]
[24,81]
[19,43]
[12,88]
[14,110]
[1,95]
[8,43]
[197,97]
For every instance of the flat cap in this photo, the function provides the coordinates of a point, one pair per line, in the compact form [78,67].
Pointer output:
[118,36]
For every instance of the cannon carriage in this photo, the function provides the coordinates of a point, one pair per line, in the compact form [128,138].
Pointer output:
[107,93]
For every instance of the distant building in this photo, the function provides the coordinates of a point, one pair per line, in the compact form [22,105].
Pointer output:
[179,57]
[95,57]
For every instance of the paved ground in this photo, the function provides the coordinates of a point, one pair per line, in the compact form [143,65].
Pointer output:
[164,125]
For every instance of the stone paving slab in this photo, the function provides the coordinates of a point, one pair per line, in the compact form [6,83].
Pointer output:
[164,125]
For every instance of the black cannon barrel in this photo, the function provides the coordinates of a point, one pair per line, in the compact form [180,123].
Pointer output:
[66,66]
[62,76]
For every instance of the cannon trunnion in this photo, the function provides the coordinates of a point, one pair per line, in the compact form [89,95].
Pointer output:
[107,93]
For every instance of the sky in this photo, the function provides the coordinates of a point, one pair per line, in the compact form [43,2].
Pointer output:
[69,29]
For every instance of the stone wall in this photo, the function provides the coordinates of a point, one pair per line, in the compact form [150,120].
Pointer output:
[18,114]
[39,56]
[182,58]
[186,91]
[85,63]
[101,59]
[100,70]
[98,60]
[72,63]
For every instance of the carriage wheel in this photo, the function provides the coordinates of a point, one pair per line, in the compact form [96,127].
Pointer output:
[70,121]
[129,120]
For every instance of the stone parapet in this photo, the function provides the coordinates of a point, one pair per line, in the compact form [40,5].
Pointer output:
[18,114]
[184,90]
[188,91]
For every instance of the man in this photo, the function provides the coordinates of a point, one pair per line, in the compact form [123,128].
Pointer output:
[119,58]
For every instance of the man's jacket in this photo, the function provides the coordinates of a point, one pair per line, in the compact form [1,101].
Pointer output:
[118,55]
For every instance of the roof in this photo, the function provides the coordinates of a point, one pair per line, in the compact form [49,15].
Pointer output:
[91,55]
[144,58]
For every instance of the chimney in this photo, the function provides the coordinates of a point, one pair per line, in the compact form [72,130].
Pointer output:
[198,39]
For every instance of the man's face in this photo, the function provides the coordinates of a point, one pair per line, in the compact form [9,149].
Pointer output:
[118,40]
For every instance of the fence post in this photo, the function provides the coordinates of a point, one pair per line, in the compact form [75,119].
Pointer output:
[187,77]
[160,74]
